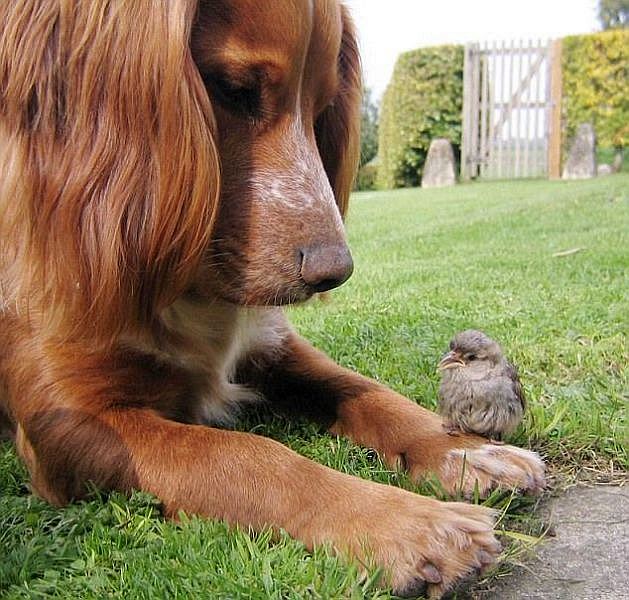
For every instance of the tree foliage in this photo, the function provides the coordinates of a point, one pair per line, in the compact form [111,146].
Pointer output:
[368,129]
[613,14]
[422,102]
[596,85]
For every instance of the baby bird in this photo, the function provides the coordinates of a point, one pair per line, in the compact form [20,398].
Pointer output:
[480,391]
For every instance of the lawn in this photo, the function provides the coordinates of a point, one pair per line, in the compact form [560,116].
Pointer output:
[428,264]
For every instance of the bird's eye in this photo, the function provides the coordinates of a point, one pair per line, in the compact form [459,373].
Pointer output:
[470,357]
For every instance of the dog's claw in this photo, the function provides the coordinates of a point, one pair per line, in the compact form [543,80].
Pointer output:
[430,573]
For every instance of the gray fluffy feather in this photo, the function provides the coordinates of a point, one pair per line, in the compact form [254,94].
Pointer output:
[480,390]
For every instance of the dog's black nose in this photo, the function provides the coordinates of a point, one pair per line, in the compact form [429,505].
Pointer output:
[325,267]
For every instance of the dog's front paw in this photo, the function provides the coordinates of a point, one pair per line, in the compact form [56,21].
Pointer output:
[488,466]
[464,463]
[468,464]
[424,546]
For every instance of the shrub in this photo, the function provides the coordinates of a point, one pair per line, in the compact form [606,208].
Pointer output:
[423,101]
[596,85]
[368,129]
[367,175]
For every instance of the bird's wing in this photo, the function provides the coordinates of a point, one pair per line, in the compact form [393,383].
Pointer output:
[512,373]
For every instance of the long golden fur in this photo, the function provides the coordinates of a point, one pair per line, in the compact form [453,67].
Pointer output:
[170,174]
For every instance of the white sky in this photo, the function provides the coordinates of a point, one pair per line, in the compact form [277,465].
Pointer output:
[388,27]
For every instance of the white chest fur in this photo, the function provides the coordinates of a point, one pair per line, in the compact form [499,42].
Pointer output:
[210,339]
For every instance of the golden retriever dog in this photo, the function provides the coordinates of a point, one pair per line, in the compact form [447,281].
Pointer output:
[172,172]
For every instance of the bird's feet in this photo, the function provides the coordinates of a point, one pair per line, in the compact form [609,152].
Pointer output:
[496,442]
[451,429]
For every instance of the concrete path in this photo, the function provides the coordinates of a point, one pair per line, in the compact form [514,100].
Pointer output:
[587,559]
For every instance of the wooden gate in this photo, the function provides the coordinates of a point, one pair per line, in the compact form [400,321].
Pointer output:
[511,110]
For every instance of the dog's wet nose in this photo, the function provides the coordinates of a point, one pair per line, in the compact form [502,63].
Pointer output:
[325,267]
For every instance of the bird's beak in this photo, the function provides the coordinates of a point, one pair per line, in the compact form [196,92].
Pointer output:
[450,360]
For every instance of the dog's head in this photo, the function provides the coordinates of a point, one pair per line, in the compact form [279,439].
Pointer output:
[284,84]
[152,148]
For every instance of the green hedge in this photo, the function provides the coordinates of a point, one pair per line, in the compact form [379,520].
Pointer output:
[423,101]
[367,177]
[596,85]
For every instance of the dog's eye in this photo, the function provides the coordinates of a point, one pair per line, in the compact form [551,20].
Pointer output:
[241,99]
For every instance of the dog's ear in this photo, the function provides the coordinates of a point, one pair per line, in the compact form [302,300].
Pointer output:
[112,158]
[337,129]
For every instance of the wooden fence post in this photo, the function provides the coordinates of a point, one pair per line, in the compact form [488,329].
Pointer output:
[465,134]
[554,145]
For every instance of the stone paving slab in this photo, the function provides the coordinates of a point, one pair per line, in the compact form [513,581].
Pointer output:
[586,559]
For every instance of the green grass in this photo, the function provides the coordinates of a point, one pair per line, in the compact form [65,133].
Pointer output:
[428,263]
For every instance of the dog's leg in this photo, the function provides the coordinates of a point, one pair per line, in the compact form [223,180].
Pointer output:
[77,427]
[406,435]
